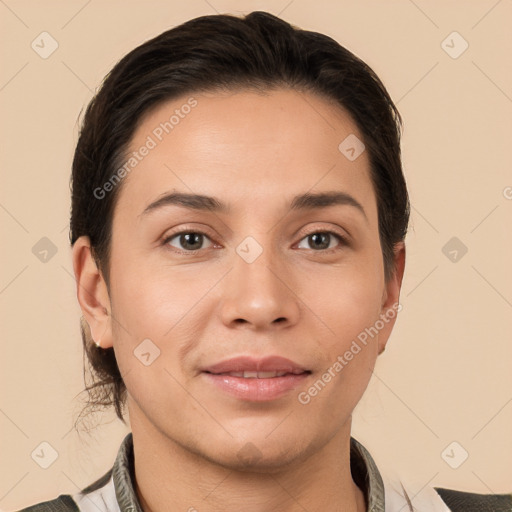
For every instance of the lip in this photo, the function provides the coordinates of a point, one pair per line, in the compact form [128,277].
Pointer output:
[256,389]
[248,363]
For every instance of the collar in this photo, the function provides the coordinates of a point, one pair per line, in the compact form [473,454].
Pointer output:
[363,468]
[367,476]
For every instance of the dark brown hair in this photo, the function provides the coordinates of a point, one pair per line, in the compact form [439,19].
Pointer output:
[213,53]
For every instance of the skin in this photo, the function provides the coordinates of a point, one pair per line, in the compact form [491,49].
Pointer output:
[254,152]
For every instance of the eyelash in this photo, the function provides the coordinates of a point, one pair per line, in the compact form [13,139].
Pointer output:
[342,239]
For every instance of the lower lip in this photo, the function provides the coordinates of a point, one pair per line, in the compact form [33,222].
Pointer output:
[256,390]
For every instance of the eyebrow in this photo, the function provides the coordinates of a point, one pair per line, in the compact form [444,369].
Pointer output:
[306,201]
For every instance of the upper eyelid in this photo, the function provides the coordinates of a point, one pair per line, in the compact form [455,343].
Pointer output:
[201,231]
[205,230]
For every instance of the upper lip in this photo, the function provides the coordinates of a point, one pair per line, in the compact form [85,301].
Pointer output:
[248,363]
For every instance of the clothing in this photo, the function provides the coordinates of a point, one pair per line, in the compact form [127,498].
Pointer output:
[115,491]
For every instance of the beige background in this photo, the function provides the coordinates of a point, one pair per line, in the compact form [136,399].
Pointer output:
[446,375]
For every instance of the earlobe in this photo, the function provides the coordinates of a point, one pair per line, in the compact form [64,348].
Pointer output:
[92,293]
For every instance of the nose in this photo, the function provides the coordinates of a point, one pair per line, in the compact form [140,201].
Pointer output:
[261,294]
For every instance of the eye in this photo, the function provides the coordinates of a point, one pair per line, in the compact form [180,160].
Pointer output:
[188,241]
[321,240]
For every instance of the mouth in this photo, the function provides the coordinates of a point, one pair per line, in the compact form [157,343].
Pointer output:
[251,367]
[256,380]
[261,375]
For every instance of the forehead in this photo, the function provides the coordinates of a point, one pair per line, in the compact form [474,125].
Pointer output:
[248,148]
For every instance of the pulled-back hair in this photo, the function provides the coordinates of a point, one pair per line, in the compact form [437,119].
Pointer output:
[223,53]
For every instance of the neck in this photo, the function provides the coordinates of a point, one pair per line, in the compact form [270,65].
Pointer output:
[168,476]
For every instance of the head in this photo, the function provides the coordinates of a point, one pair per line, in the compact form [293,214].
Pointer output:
[270,122]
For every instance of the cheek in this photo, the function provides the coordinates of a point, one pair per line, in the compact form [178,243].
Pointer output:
[164,304]
[151,296]
[349,306]
[344,300]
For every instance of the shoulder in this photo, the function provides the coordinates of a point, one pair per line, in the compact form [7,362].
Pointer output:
[405,496]
[63,503]
[473,502]
[66,502]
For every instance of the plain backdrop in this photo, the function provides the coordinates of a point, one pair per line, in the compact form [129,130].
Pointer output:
[443,388]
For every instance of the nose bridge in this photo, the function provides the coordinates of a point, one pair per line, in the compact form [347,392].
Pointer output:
[256,263]
[256,291]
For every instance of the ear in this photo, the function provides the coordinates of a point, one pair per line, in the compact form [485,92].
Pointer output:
[391,296]
[92,292]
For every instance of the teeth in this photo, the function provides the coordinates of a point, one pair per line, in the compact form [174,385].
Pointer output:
[235,374]
[256,375]
[268,375]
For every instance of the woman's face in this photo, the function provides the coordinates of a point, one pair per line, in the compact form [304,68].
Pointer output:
[255,272]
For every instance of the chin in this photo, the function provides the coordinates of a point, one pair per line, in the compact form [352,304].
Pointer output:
[261,455]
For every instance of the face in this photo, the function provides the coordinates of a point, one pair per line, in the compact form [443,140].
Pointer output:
[262,265]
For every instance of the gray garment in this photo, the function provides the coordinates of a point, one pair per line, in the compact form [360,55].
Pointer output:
[115,492]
